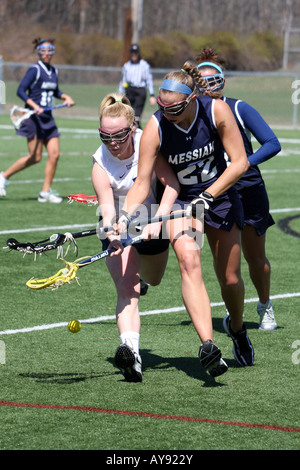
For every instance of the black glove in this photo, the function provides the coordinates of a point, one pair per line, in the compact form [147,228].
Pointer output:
[204,198]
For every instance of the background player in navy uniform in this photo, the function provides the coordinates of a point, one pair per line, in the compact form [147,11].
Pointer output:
[37,89]
[191,133]
[136,78]
[251,186]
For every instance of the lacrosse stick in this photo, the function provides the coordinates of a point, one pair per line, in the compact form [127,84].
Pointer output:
[54,242]
[67,274]
[18,114]
[89,200]
[136,223]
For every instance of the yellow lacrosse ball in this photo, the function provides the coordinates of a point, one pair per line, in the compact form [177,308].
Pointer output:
[74,326]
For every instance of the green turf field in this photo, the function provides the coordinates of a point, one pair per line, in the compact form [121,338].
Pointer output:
[61,391]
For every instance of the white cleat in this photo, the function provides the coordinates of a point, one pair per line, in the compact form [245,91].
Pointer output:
[267,319]
[129,363]
[3,184]
[50,196]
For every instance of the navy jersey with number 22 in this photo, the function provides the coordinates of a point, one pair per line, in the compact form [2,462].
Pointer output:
[196,155]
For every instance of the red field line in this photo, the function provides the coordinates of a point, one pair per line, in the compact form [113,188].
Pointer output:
[150,415]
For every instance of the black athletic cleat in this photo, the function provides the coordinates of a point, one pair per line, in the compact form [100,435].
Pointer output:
[242,348]
[129,363]
[211,359]
[143,287]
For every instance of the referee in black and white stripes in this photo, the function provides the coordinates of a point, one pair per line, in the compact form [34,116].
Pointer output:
[136,79]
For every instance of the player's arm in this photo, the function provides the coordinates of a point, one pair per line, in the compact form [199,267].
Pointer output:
[104,194]
[234,147]
[105,198]
[25,84]
[171,190]
[170,182]
[34,106]
[258,127]
[149,146]
[67,99]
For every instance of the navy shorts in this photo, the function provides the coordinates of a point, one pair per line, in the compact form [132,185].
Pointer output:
[154,246]
[256,207]
[224,212]
[43,127]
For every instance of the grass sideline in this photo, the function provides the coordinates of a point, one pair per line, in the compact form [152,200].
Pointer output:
[60,391]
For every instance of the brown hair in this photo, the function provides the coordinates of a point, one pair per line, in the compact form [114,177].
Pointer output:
[189,75]
[115,105]
[38,41]
[208,54]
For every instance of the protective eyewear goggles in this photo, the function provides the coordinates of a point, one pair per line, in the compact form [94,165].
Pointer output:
[120,136]
[174,109]
[42,49]
[214,82]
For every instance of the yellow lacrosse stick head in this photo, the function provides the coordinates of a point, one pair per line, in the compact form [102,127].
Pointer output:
[63,276]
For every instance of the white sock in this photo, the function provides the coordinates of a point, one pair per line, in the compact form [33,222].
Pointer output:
[132,338]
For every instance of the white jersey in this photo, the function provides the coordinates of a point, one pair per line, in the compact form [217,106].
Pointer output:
[122,173]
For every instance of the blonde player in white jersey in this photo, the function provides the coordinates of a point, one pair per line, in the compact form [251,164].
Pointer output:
[115,166]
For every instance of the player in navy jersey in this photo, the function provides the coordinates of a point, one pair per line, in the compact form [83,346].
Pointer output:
[251,187]
[191,133]
[37,89]
[136,79]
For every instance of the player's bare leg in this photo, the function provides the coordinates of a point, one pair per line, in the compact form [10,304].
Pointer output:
[52,147]
[35,148]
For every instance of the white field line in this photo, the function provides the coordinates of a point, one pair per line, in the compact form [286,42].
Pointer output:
[8,127]
[46,228]
[58,180]
[276,171]
[70,179]
[287,209]
[146,313]
[95,132]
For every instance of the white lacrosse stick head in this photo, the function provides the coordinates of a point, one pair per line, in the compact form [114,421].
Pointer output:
[18,115]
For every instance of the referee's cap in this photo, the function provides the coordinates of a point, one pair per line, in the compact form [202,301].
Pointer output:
[134,48]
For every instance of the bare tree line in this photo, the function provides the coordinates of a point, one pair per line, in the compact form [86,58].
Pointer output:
[159,16]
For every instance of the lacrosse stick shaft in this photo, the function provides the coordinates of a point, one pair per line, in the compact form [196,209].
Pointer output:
[107,252]
[58,239]
[51,243]
[49,108]
[135,223]
[84,233]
